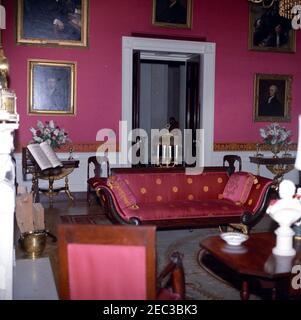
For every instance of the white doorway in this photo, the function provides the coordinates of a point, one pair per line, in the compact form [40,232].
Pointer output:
[205,50]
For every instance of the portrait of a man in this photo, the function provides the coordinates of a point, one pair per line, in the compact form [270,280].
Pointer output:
[51,87]
[272,97]
[62,22]
[172,13]
[268,31]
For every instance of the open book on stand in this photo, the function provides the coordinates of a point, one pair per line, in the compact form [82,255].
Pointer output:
[44,155]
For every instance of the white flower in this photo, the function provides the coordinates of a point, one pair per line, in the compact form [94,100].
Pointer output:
[51,124]
[275,134]
[40,125]
[263,133]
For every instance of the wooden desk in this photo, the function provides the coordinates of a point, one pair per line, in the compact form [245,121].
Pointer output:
[254,259]
[278,166]
[29,166]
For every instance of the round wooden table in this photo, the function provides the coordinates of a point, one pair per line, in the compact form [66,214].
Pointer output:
[254,259]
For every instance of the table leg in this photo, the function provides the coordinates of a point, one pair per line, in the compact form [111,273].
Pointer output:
[67,190]
[245,293]
[35,188]
[51,191]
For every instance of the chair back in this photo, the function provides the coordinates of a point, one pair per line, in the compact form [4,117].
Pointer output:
[98,163]
[103,262]
[231,159]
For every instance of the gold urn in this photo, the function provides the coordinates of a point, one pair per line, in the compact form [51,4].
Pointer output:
[33,243]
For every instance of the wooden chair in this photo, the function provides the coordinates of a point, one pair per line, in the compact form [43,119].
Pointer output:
[103,262]
[231,159]
[96,164]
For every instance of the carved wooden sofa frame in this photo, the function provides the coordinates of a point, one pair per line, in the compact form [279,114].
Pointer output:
[244,222]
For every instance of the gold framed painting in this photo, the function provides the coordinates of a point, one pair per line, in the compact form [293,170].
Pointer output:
[52,23]
[268,31]
[51,87]
[272,97]
[172,13]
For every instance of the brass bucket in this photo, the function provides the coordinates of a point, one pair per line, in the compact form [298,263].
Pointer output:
[33,243]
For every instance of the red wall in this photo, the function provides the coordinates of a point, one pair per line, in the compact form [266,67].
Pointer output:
[99,67]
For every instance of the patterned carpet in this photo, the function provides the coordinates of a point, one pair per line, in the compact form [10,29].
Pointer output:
[200,284]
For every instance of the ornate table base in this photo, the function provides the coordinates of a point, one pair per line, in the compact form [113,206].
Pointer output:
[51,191]
[278,166]
[279,170]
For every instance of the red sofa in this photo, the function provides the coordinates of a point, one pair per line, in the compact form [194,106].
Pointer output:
[168,198]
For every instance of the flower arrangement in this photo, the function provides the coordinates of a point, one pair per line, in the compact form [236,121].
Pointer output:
[274,134]
[49,132]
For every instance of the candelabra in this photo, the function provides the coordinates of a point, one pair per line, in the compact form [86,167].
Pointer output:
[167,155]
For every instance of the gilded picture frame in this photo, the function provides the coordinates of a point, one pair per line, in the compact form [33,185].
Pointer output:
[172,13]
[268,31]
[51,87]
[52,23]
[272,97]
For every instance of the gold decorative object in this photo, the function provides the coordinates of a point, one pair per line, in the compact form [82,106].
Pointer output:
[8,109]
[4,67]
[71,153]
[285,6]
[55,176]
[275,148]
[33,243]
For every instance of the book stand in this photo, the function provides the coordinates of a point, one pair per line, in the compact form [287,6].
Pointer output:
[29,166]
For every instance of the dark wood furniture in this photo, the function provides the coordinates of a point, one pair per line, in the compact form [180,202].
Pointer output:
[231,159]
[29,166]
[96,164]
[278,166]
[119,238]
[254,259]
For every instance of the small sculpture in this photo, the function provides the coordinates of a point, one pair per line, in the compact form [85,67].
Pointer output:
[285,211]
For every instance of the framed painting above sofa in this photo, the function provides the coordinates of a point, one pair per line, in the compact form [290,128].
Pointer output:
[52,23]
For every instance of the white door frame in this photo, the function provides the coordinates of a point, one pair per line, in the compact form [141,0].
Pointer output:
[207,84]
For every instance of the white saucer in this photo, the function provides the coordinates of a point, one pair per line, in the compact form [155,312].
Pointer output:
[234,238]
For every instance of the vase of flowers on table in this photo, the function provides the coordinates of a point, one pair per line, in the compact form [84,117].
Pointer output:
[276,136]
[50,132]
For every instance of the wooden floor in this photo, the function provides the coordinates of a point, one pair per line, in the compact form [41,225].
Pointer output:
[61,206]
